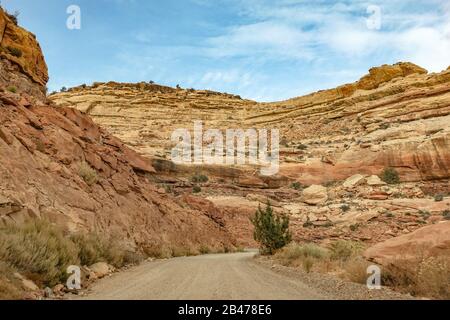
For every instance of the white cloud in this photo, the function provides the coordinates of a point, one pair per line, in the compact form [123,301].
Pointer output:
[268,38]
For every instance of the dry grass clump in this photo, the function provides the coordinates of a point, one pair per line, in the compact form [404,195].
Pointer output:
[355,270]
[422,277]
[38,250]
[42,251]
[345,250]
[425,276]
[337,257]
[10,288]
[88,174]
[94,248]
[306,255]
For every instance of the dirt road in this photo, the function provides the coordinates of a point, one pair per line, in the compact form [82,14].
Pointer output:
[222,276]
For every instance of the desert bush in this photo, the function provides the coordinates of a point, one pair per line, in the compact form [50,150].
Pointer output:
[345,208]
[183,251]
[168,188]
[295,251]
[355,270]
[39,250]
[10,287]
[88,174]
[425,214]
[390,176]
[157,251]
[199,178]
[63,89]
[42,251]
[296,186]
[344,250]
[13,16]
[204,249]
[196,189]
[16,52]
[389,214]
[302,146]
[305,255]
[271,231]
[439,197]
[446,214]
[424,276]
[12,89]
[94,248]
[308,224]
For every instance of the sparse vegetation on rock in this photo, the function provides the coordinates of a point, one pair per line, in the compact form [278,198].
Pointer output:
[16,52]
[390,176]
[88,174]
[199,178]
[296,186]
[12,89]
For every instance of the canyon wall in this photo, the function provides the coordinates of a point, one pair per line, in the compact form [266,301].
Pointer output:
[57,164]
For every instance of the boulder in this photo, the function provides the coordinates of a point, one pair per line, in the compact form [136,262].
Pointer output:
[353,181]
[433,240]
[375,181]
[315,195]
[100,269]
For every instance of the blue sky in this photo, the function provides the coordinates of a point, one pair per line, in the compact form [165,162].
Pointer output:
[261,49]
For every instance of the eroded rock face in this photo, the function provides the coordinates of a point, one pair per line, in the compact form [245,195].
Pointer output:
[41,151]
[57,164]
[429,241]
[396,116]
[20,47]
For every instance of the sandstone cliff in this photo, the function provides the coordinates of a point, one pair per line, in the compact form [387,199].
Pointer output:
[20,47]
[57,164]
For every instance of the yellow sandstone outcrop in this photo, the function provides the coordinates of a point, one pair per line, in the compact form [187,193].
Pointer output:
[21,47]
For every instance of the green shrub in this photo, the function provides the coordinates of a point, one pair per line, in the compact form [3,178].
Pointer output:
[16,52]
[425,214]
[446,214]
[63,89]
[345,208]
[439,198]
[88,174]
[12,89]
[271,231]
[296,186]
[308,224]
[199,178]
[196,189]
[13,16]
[390,176]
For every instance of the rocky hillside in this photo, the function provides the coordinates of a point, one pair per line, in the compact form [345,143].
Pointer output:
[57,164]
[379,121]
[337,141]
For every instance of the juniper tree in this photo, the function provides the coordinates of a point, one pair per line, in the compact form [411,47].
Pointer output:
[271,231]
